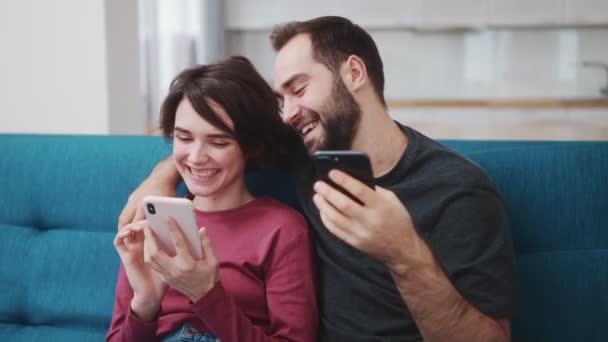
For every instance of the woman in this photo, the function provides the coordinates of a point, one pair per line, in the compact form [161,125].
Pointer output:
[255,281]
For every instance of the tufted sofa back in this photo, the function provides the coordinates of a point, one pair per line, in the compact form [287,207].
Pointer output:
[60,197]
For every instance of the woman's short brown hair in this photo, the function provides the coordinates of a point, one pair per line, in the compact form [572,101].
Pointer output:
[251,104]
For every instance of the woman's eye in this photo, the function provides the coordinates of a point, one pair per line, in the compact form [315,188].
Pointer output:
[219,143]
[181,138]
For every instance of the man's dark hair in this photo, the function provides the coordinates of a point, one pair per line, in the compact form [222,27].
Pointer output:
[334,39]
[249,101]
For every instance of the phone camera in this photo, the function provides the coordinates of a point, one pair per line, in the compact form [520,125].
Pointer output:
[151,208]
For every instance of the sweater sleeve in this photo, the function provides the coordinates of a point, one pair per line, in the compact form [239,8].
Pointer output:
[290,295]
[125,326]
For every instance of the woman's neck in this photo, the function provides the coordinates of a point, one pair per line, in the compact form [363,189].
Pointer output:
[229,199]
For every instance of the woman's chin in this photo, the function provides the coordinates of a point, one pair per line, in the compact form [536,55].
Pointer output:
[201,190]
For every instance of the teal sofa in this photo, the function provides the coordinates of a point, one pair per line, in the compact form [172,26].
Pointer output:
[60,197]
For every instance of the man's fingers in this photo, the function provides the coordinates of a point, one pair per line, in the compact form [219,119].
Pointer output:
[330,213]
[127,215]
[338,232]
[139,214]
[355,187]
[338,200]
[132,212]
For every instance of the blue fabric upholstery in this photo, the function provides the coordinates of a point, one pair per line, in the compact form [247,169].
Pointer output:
[60,197]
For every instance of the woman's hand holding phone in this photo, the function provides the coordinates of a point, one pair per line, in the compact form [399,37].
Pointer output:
[193,277]
[160,252]
[148,287]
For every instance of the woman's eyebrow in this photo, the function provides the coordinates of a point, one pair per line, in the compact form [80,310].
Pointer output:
[181,130]
[209,136]
[220,136]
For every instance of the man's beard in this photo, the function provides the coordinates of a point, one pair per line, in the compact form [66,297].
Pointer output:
[339,118]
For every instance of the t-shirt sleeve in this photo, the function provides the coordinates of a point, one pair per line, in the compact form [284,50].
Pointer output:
[472,242]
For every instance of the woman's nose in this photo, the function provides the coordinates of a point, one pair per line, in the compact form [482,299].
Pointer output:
[198,155]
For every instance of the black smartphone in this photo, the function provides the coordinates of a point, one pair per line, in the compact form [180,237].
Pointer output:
[354,163]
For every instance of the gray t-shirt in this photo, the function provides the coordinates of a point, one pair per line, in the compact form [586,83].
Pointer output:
[455,209]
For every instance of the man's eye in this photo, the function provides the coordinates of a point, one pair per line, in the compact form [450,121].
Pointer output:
[219,143]
[300,91]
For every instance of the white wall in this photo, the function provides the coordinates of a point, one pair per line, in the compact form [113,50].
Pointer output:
[125,111]
[70,67]
[524,49]
[496,63]
[53,67]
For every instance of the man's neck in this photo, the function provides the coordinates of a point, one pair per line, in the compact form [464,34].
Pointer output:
[381,138]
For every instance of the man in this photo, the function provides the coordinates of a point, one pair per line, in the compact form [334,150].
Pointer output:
[429,253]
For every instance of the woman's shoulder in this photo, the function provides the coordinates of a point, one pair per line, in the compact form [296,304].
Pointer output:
[279,214]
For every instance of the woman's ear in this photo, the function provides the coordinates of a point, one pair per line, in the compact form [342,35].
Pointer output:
[354,73]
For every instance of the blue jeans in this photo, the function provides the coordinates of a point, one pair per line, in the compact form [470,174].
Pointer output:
[187,333]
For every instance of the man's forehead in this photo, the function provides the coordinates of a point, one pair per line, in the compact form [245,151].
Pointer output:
[292,59]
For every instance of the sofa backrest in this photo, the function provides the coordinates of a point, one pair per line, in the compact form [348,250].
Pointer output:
[59,201]
[60,197]
[557,197]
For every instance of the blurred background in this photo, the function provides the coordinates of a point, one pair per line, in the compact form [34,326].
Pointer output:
[465,69]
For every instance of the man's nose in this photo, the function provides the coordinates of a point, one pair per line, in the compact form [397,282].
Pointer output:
[290,111]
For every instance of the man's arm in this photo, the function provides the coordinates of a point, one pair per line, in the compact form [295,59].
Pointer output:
[162,181]
[440,312]
[383,229]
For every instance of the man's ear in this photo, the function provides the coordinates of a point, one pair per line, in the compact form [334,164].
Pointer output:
[354,73]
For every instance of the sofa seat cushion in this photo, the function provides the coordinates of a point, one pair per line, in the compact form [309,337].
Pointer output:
[57,277]
[558,284]
[45,333]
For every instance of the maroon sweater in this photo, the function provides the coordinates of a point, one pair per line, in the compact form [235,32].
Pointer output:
[266,290]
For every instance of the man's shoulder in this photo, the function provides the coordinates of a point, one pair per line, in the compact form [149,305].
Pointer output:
[435,163]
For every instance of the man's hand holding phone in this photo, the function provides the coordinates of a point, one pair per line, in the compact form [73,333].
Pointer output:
[354,163]
[376,223]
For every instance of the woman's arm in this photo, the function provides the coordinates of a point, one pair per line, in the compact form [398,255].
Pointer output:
[125,326]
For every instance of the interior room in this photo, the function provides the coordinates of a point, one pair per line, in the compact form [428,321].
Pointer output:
[472,203]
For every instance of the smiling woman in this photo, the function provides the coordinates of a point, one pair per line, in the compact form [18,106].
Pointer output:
[255,279]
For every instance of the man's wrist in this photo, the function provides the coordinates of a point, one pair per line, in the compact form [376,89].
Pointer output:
[421,261]
[165,172]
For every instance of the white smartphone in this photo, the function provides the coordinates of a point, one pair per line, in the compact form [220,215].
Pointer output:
[158,209]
